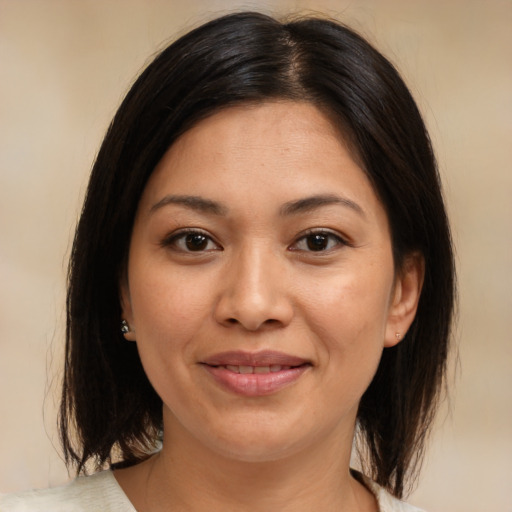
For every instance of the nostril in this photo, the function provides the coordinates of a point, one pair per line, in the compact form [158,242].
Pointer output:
[268,322]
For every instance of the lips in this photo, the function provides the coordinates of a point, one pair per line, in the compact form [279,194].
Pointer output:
[255,374]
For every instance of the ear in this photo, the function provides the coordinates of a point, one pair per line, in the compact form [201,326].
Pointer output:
[126,309]
[405,298]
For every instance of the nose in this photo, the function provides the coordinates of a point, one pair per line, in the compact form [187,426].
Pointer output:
[255,294]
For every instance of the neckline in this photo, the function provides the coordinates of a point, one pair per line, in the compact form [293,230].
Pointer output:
[369,484]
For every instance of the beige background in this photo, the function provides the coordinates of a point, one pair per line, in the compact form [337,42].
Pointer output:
[64,66]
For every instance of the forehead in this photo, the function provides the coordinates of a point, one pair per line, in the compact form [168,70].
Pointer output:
[284,149]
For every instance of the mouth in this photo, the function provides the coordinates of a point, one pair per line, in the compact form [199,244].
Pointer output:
[262,359]
[255,374]
[246,370]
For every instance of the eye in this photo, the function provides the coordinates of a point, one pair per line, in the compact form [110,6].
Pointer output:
[318,241]
[191,241]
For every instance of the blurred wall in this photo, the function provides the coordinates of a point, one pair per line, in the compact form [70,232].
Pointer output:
[64,67]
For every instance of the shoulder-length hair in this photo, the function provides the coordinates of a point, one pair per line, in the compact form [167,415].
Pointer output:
[109,411]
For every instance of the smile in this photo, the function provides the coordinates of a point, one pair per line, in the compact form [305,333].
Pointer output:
[256,369]
[255,374]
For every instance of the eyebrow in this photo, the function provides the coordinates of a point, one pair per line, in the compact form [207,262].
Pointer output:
[313,202]
[193,202]
[298,206]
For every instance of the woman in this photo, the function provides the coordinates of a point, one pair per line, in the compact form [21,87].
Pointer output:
[261,274]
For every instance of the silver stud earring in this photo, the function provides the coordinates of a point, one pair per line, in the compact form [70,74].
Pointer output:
[125,328]
[398,336]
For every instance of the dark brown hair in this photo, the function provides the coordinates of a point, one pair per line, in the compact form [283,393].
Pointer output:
[109,411]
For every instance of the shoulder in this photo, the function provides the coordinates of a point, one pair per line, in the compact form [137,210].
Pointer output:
[386,501]
[85,494]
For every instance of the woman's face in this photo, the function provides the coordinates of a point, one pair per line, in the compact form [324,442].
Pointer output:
[260,283]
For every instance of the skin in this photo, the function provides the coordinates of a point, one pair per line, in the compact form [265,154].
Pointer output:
[254,281]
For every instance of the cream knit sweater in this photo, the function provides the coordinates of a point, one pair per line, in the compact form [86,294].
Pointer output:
[102,493]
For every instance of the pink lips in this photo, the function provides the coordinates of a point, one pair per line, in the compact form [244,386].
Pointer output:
[255,374]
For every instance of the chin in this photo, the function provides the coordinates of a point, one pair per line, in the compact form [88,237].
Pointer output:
[262,442]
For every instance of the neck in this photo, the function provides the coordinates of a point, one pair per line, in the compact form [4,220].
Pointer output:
[186,475]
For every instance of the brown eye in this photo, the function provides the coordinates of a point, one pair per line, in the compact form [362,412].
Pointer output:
[196,242]
[318,241]
[190,241]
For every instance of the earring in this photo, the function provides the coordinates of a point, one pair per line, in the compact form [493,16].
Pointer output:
[398,336]
[125,328]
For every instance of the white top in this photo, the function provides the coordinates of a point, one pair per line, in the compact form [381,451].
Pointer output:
[102,493]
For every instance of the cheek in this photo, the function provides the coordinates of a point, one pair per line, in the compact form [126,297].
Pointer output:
[349,321]
[168,315]
[168,304]
[349,306]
